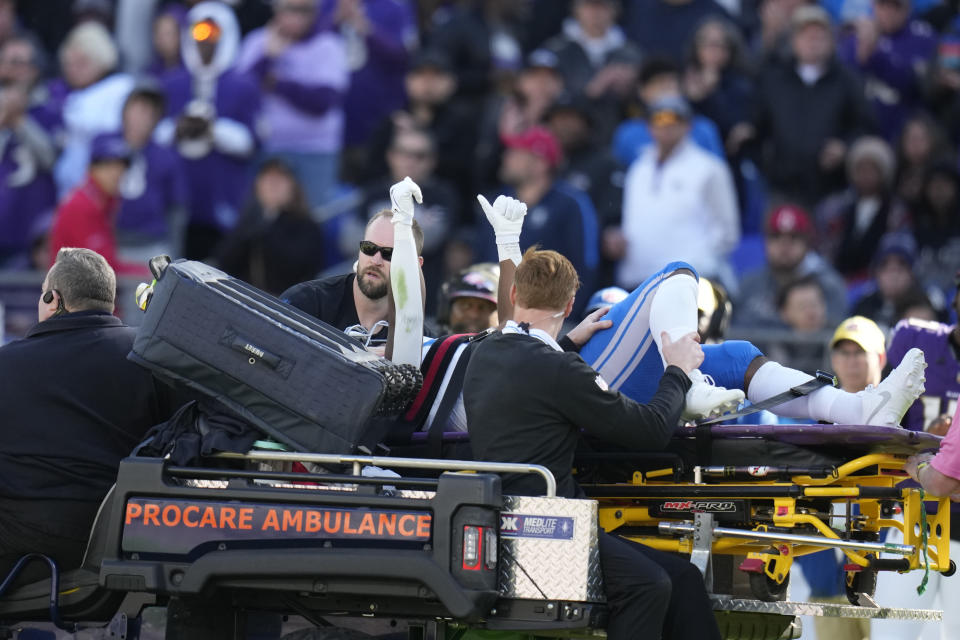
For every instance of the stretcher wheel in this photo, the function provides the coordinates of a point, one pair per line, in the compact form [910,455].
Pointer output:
[763,587]
[950,571]
[860,582]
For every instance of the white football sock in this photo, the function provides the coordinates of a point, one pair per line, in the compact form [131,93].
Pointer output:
[826,403]
[674,309]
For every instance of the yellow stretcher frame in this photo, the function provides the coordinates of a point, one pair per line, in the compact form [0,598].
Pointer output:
[845,486]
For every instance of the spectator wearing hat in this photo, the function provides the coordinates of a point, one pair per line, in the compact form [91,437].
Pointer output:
[468,300]
[86,218]
[808,109]
[303,116]
[153,205]
[534,90]
[788,246]
[559,217]
[858,353]
[891,53]
[679,203]
[853,220]
[857,357]
[660,77]
[595,57]
[430,87]
[537,87]
[413,153]
[606,297]
[937,226]
[893,278]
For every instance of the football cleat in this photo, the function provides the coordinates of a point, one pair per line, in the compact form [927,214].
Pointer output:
[706,400]
[885,404]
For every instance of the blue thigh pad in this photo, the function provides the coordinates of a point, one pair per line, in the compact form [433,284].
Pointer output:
[625,354]
[727,363]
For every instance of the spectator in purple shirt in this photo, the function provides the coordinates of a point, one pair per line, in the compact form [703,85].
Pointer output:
[166,40]
[303,76]
[379,36]
[153,190]
[26,185]
[891,52]
[211,110]
[27,150]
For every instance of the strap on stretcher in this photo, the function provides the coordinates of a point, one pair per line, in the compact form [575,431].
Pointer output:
[702,429]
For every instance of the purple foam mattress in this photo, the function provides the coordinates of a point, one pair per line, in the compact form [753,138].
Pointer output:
[848,437]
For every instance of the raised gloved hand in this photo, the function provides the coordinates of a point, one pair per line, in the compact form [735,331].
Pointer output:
[402,195]
[505,215]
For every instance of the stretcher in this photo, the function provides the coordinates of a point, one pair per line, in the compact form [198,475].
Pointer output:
[210,546]
[813,487]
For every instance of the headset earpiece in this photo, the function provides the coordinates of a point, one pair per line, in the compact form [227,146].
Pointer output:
[47,297]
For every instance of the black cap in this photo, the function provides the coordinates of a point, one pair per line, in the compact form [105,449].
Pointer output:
[577,103]
[543,59]
[431,58]
[148,89]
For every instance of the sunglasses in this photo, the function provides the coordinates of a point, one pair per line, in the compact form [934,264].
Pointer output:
[371,248]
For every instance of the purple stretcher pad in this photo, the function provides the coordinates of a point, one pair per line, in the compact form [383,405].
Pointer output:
[865,439]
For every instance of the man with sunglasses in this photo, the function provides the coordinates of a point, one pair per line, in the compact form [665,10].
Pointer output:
[358,300]
[73,407]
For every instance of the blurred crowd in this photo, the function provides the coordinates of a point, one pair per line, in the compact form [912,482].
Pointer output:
[802,155]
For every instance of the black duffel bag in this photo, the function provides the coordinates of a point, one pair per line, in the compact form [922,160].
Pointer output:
[299,380]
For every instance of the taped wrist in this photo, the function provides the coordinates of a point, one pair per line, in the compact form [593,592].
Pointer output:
[509,252]
[508,247]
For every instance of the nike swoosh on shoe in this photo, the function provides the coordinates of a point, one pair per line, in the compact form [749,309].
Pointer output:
[886,398]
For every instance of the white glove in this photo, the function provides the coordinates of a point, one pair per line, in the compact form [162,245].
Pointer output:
[402,196]
[506,218]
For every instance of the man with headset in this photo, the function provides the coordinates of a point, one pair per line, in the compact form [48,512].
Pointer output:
[72,407]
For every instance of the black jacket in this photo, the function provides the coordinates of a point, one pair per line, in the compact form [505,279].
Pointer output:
[528,403]
[272,255]
[73,407]
[797,119]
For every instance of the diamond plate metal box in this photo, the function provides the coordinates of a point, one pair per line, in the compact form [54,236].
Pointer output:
[549,549]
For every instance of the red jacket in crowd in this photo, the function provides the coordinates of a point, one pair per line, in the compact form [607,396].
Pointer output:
[85,219]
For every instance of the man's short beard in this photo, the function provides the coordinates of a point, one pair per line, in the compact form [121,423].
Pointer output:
[374,291]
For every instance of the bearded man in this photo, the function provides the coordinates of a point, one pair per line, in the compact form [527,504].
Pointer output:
[356,302]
